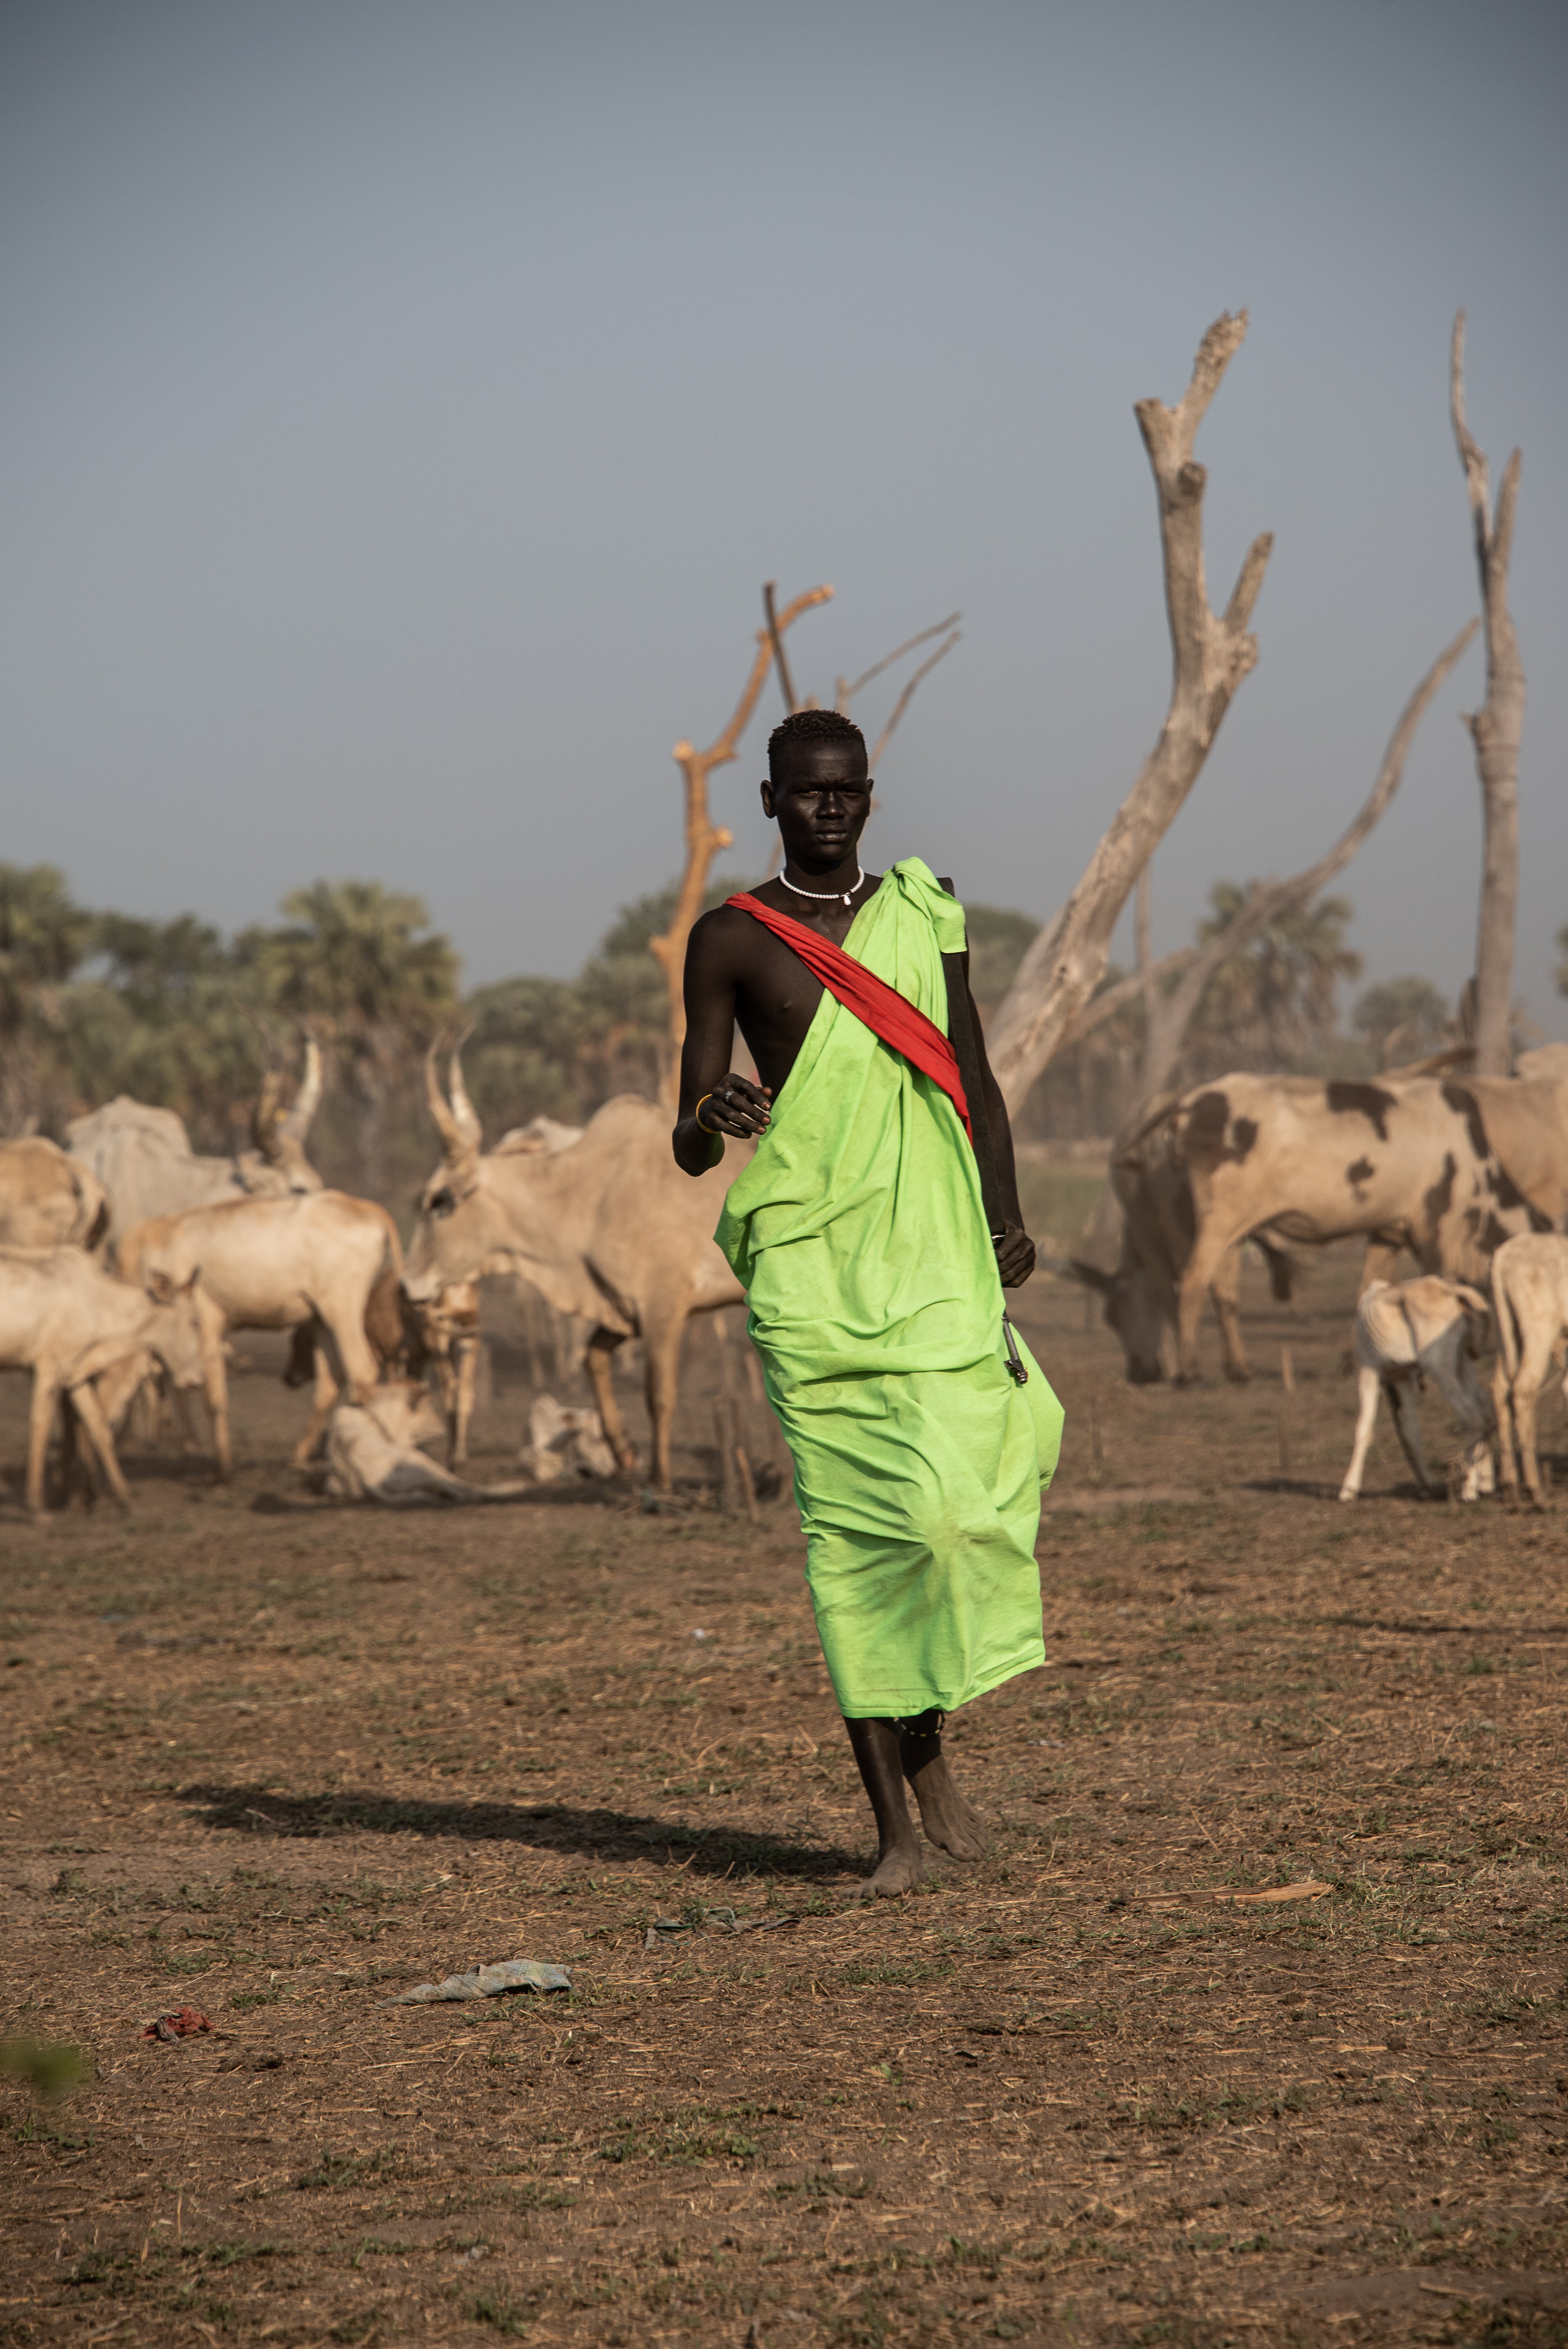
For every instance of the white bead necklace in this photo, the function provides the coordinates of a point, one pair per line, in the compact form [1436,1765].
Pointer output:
[827,896]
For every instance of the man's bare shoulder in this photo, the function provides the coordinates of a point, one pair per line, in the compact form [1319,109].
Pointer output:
[719,935]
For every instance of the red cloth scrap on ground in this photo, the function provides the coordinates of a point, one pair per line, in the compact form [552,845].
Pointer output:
[886,1012]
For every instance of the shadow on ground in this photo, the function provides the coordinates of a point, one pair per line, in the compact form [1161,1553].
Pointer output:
[549,1826]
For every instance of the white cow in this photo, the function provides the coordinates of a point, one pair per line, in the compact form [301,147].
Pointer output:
[69,1323]
[142,1156]
[371,1453]
[609,1230]
[1530,1292]
[1408,1329]
[564,1443]
[46,1200]
[272,1264]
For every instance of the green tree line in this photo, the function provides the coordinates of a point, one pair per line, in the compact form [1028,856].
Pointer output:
[93,1004]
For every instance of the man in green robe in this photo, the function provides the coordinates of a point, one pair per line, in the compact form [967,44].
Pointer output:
[875,1278]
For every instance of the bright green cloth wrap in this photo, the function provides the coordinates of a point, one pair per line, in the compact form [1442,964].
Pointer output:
[859,1235]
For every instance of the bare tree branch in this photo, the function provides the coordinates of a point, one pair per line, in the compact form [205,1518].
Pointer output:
[1210,658]
[847,692]
[906,697]
[703,837]
[1121,992]
[1267,902]
[776,638]
[1496,728]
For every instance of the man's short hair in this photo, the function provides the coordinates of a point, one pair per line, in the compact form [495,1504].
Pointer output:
[804,726]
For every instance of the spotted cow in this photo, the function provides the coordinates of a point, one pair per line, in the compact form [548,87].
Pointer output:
[1444,1166]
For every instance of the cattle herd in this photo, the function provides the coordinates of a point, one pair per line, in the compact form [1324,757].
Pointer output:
[126,1260]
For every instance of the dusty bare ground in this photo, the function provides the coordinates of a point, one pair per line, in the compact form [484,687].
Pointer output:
[281,1760]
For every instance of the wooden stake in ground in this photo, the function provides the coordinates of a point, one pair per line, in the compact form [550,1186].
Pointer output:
[1287,1382]
[704,838]
[726,1438]
[1212,656]
[1496,728]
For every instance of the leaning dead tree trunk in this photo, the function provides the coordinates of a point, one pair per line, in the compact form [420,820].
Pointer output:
[1064,964]
[1267,902]
[704,838]
[1496,727]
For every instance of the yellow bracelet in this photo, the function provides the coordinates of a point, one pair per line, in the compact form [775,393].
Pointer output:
[696,1114]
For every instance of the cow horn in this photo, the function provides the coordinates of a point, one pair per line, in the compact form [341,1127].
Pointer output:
[307,1100]
[453,1147]
[463,1112]
[264,1120]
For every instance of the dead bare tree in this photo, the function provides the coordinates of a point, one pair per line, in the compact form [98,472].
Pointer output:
[704,838]
[1211,657]
[1496,728]
[1170,1016]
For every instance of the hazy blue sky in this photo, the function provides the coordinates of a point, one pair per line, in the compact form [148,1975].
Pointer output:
[404,403]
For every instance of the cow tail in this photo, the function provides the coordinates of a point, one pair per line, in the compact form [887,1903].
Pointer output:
[383,1324]
[1507,1335]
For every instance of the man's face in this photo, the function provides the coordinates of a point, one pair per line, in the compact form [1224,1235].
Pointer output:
[821,797]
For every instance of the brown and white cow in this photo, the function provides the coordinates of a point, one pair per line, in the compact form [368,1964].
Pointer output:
[1446,1167]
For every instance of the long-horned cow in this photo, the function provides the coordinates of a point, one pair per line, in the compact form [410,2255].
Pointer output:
[70,1323]
[1445,1167]
[46,1199]
[321,1258]
[143,1158]
[609,1229]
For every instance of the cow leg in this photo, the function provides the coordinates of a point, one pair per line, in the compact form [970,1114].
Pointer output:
[601,1347]
[467,1350]
[323,1397]
[1379,1261]
[662,1331]
[1225,1290]
[446,1377]
[1503,1405]
[1202,1270]
[1401,1394]
[40,1421]
[1535,1363]
[100,1437]
[1367,1419]
[217,1375]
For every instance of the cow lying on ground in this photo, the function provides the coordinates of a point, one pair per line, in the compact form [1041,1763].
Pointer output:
[564,1443]
[65,1319]
[1414,1328]
[1445,1168]
[371,1453]
[1530,1293]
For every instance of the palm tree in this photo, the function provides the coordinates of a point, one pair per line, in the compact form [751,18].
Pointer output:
[362,964]
[1276,1002]
[44,935]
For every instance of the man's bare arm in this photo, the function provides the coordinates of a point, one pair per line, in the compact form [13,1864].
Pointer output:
[714,1101]
[1016,1250]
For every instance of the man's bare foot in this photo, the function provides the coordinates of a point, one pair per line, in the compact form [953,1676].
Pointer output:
[898,1871]
[949,1820]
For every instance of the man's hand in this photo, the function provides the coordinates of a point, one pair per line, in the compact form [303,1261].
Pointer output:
[1015,1255]
[735,1106]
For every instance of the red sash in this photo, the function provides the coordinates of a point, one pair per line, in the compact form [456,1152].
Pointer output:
[886,1012]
